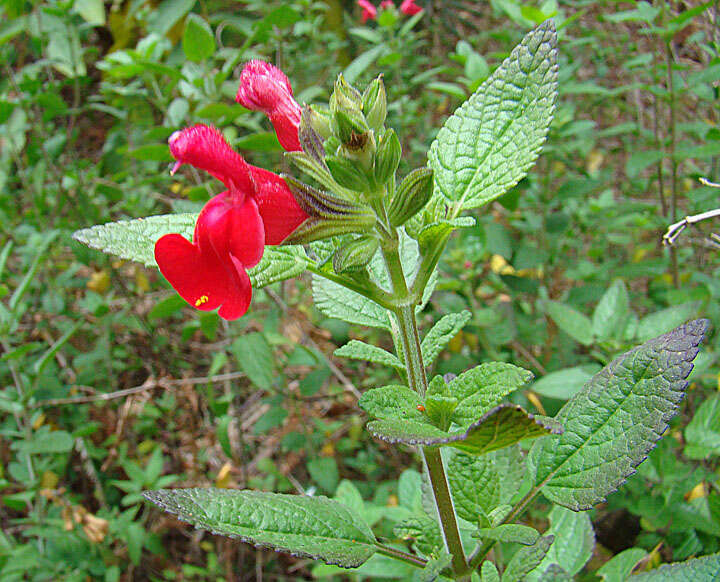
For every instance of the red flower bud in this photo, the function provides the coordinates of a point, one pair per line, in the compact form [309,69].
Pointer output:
[264,87]
[387,4]
[409,7]
[369,12]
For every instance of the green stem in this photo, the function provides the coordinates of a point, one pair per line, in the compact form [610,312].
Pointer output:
[375,294]
[402,556]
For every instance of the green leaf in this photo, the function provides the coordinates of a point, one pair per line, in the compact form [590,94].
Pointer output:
[501,427]
[422,530]
[391,403]
[662,321]
[526,559]
[564,384]
[479,484]
[509,532]
[489,572]
[577,325]
[482,387]
[616,420]
[167,14]
[255,358]
[45,441]
[702,434]
[573,545]
[324,471]
[336,301]
[612,311]
[357,350]
[314,527]
[135,240]
[362,62]
[702,569]
[434,566]
[619,567]
[441,333]
[492,140]
[92,11]
[198,41]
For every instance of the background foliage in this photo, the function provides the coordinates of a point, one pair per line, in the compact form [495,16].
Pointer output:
[111,385]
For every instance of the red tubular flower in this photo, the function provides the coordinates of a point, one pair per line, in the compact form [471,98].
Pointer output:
[369,12]
[409,7]
[387,4]
[232,229]
[264,87]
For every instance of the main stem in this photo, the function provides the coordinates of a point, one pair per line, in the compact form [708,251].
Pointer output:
[412,354]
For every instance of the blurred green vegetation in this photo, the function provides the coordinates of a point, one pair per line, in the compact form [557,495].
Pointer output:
[112,385]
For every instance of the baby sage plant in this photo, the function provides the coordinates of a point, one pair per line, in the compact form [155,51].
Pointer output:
[372,242]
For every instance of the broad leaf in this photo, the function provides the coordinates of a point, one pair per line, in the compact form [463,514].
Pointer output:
[509,532]
[702,435]
[479,484]
[614,422]
[392,402]
[611,313]
[198,41]
[441,333]
[573,545]
[135,240]
[492,140]
[564,384]
[482,387]
[619,567]
[357,350]
[336,301]
[316,527]
[526,559]
[662,321]
[501,427]
[577,325]
[702,569]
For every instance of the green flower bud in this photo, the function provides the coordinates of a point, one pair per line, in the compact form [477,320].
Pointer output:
[387,157]
[350,128]
[411,195]
[375,104]
[355,255]
[345,97]
[332,145]
[347,174]
[317,118]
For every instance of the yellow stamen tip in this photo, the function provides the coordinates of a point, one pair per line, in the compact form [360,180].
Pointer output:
[203,299]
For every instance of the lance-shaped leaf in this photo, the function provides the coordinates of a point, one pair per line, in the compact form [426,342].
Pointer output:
[616,419]
[696,570]
[492,140]
[315,527]
[441,333]
[501,427]
[357,350]
[135,240]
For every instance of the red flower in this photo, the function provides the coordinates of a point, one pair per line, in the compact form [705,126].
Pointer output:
[369,11]
[409,7]
[387,4]
[232,229]
[264,87]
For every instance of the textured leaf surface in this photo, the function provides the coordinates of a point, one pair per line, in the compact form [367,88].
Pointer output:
[526,559]
[336,301]
[482,387]
[316,527]
[492,140]
[422,530]
[573,545]
[501,427]
[479,484]
[614,422]
[705,569]
[134,240]
[510,532]
[392,402]
[357,350]
[441,333]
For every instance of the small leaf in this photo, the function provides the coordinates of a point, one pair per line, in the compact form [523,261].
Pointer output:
[564,384]
[435,565]
[526,559]
[422,530]
[489,572]
[702,434]
[92,11]
[696,570]
[441,333]
[198,41]
[357,350]
[391,403]
[611,312]
[314,527]
[571,321]
[492,140]
[616,420]
[509,532]
[255,358]
[619,567]
[662,321]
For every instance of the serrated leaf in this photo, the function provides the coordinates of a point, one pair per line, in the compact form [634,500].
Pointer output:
[702,569]
[135,240]
[357,350]
[577,325]
[479,484]
[702,434]
[611,313]
[662,321]
[482,387]
[573,545]
[614,422]
[336,301]
[619,567]
[492,140]
[509,533]
[441,333]
[314,527]
[501,427]
[526,559]
[392,402]
[435,565]
[422,530]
